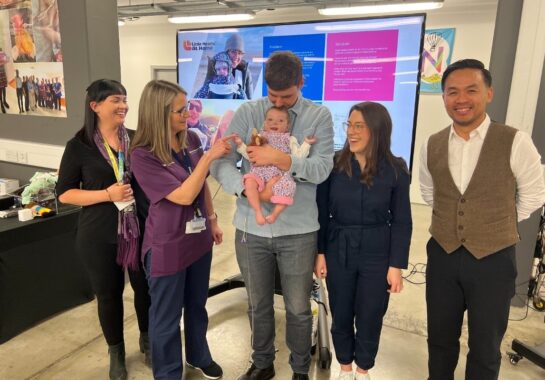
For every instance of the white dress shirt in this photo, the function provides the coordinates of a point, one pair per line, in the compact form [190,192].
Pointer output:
[462,159]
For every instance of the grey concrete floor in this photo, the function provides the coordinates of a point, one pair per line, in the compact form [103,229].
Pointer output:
[70,345]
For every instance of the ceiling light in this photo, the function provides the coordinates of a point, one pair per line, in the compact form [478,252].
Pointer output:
[120,22]
[211,18]
[382,8]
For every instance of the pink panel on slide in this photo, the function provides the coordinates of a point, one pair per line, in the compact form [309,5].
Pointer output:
[361,66]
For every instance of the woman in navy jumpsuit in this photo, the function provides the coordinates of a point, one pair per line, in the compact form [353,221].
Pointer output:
[365,232]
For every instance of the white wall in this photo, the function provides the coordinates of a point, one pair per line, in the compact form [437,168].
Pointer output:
[143,46]
[474,32]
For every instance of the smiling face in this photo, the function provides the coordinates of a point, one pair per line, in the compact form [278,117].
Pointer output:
[358,134]
[276,121]
[179,113]
[236,56]
[195,110]
[112,110]
[466,97]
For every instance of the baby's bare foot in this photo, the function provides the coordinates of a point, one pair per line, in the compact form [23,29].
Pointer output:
[271,218]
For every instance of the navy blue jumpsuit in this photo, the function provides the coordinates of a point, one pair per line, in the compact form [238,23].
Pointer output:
[363,231]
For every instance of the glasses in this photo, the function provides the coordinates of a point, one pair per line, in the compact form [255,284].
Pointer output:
[182,111]
[358,127]
[194,106]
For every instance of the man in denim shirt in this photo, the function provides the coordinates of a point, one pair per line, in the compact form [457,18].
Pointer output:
[289,243]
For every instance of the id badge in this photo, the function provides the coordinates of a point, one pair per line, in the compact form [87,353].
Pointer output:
[195,225]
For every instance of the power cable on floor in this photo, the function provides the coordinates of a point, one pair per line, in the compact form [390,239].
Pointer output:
[414,269]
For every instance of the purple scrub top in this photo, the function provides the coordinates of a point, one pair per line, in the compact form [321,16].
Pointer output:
[172,250]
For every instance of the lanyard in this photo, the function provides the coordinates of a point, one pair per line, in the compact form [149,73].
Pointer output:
[118,164]
[186,164]
[185,161]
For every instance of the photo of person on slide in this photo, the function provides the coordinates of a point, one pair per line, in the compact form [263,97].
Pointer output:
[237,66]
[222,85]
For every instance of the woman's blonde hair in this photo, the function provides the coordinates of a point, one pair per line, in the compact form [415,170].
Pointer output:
[154,110]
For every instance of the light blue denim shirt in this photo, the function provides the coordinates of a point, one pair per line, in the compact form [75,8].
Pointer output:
[307,119]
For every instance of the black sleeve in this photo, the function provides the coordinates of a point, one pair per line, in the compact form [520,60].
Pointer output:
[142,207]
[322,199]
[402,226]
[70,169]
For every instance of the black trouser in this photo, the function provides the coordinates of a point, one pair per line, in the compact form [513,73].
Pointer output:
[3,100]
[20,100]
[27,100]
[108,280]
[457,282]
[358,298]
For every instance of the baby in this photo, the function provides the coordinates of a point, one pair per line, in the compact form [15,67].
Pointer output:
[222,84]
[275,133]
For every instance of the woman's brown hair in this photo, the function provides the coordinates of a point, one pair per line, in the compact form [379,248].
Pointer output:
[378,121]
[153,129]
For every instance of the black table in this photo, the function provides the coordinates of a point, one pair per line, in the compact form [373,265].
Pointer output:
[40,273]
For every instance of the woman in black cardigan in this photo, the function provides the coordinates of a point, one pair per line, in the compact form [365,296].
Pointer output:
[364,237]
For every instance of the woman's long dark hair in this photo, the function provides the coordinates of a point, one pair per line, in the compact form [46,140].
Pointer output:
[97,91]
[378,121]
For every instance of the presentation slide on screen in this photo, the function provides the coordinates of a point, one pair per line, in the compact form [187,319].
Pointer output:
[344,63]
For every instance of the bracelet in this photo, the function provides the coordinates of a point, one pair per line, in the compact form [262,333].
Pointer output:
[213,216]
[109,196]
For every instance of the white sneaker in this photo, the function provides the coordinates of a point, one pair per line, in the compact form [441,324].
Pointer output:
[362,376]
[346,375]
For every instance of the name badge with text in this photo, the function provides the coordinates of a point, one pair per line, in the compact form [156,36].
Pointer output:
[195,225]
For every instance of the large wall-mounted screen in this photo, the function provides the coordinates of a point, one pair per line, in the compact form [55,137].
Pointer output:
[344,62]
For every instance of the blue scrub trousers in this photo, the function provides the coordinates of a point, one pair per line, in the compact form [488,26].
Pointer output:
[187,292]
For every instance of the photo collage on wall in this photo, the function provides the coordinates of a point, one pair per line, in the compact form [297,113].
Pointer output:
[31,60]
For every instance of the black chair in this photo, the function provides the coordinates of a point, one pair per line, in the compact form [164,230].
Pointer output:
[535,354]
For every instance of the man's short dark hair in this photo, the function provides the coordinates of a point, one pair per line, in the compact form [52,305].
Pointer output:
[283,70]
[467,64]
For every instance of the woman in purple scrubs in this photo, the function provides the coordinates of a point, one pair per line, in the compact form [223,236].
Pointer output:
[181,227]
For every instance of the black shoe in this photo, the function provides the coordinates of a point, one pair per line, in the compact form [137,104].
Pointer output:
[144,348]
[299,376]
[212,371]
[118,370]
[254,373]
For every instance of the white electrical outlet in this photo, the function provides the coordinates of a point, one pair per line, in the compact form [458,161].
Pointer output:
[22,157]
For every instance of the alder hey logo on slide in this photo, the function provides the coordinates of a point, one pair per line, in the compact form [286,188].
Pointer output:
[191,45]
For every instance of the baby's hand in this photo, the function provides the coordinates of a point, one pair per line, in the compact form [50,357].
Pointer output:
[310,140]
[237,140]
